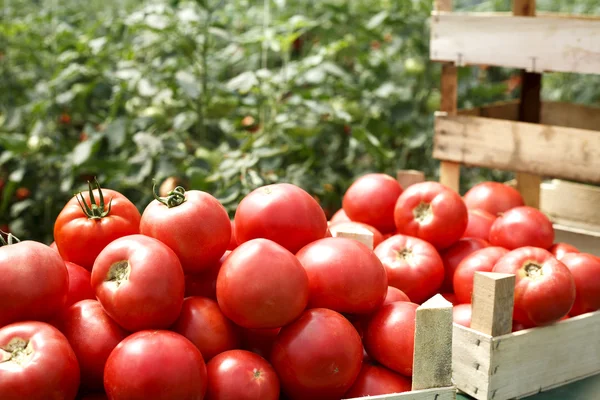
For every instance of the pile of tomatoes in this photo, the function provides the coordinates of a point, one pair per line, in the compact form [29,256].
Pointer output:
[179,302]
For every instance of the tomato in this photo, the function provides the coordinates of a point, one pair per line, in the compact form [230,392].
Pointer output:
[544,287]
[390,336]
[375,380]
[371,200]
[432,212]
[193,224]
[455,254]
[394,294]
[95,396]
[493,197]
[450,297]
[522,227]
[559,250]
[259,341]
[22,193]
[155,365]
[339,216]
[344,275]
[412,265]
[585,269]
[53,246]
[318,356]
[282,213]
[262,285]
[80,287]
[203,323]
[480,261]
[241,375]
[93,335]
[232,240]
[84,227]
[139,282]
[205,283]
[37,362]
[479,225]
[34,282]
[461,314]
[351,225]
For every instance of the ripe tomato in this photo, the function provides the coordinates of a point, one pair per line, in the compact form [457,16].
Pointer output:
[480,223]
[544,287]
[241,375]
[262,285]
[394,294]
[93,335]
[139,282]
[282,213]
[198,245]
[374,380]
[37,362]
[559,250]
[377,236]
[450,297]
[232,240]
[80,287]
[344,275]
[95,396]
[318,356]
[412,265]
[339,216]
[461,314]
[22,193]
[34,282]
[586,273]
[84,227]
[480,261]
[53,246]
[371,200]
[259,341]
[493,197]
[155,365]
[205,283]
[521,227]
[432,212]
[455,254]
[203,323]
[390,336]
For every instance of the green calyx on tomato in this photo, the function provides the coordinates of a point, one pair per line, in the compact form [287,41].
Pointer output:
[423,212]
[533,270]
[405,255]
[18,351]
[119,272]
[174,198]
[94,210]
[10,239]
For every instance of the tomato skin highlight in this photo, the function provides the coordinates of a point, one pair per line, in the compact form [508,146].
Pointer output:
[461,315]
[586,273]
[522,227]
[482,260]
[493,197]
[374,380]
[51,367]
[455,254]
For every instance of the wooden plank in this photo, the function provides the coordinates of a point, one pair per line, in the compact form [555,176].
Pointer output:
[529,186]
[409,177]
[523,7]
[581,207]
[537,44]
[585,240]
[471,357]
[448,393]
[432,365]
[559,152]
[571,115]
[493,299]
[358,233]
[499,110]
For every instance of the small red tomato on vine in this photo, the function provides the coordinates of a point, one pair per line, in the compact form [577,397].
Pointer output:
[65,118]
[22,193]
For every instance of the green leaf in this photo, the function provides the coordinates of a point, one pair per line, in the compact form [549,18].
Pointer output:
[243,82]
[376,20]
[184,121]
[17,175]
[189,84]
[116,132]
[15,142]
[84,151]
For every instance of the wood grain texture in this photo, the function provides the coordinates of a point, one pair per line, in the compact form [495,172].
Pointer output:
[471,357]
[559,152]
[529,186]
[535,44]
[581,209]
[360,234]
[448,393]
[493,299]
[409,177]
[523,7]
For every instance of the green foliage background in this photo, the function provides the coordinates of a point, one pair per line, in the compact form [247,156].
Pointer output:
[130,91]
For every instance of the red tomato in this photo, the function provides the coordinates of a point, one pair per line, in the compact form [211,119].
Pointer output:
[344,275]
[155,365]
[432,212]
[544,287]
[377,236]
[37,362]
[493,197]
[84,227]
[586,273]
[93,335]
[374,380]
[282,213]
[203,323]
[53,246]
[339,216]
[259,341]
[450,297]
[521,227]
[80,287]
[232,240]
[241,375]
[262,285]
[480,261]
[371,200]
[480,223]
[205,283]
[22,193]
[95,396]
[559,250]
[34,282]
[203,228]
[394,294]
[318,356]
[461,314]
[139,282]
[390,336]
[455,254]
[412,265]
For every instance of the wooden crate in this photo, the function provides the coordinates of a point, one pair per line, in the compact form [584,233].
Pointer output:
[489,362]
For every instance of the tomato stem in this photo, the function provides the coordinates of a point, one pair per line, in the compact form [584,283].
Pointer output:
[94,210]
[174,198]
[10,239]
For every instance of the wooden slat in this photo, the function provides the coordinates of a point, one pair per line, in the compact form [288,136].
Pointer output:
[409,177]
[535,44]
[581,208]
[493,296]
[448,393]
[471,357]
[499,110]
[559,152]
[359,233]
[585,240]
